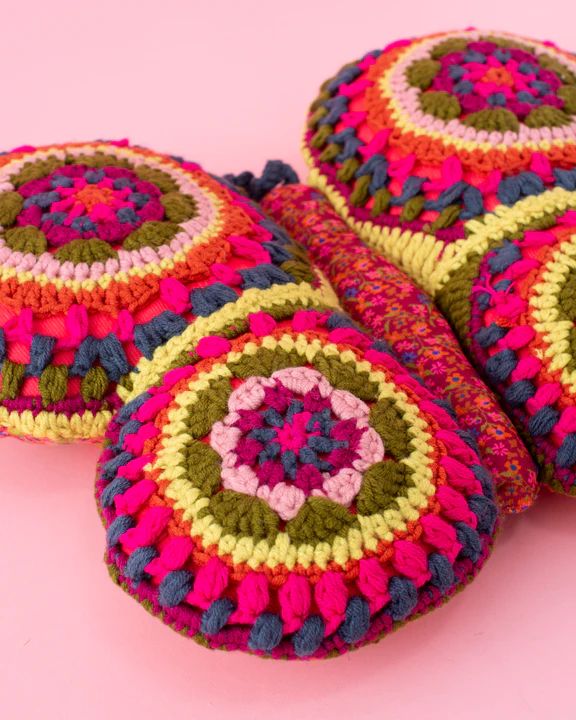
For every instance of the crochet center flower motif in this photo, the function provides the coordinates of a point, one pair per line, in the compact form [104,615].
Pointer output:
[493,85]
[294,435]
[103,206]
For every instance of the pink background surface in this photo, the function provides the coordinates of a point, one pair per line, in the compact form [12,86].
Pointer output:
[227,84]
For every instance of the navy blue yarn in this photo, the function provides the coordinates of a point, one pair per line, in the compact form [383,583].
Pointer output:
[487,336]
[2,346]
[469,439]
[209,299]
[344,77]
[336,106]
[486,512]
[278,254]
[500,365]
[132,426]
[410,189]
[339,320]
[216,616]
[126,411]
[485,479]
[543,421]
[504,256]
[113,358]
[309,638]
[473,203]
[275,173]
[264,276]
[42,200]
[531,183]
[118,527]
[174,588]
[404,597]
[470,541]
[278,233]
[136,563]
[442,572]
[85,356]
[519,393]
[447,197]
[347,138]
[502,285]
[110,469]
[566,455]
[150,335]
[118,486]
[40,354]
[266,632]
[509,190]
[565,178]
[357,621]
[446,406]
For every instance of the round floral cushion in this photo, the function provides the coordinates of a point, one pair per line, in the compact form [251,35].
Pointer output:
[278,483]
[454,156]
[106,252]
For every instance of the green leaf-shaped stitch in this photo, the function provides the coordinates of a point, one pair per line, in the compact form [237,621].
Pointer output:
[568,94]
[422,72]
[320,520]
[94,384]
[386,418]
[546,116]
[151,234]
[204,466]
[382,483]
[26,239]
[440,104]
[493,120]
[211,406]
[243,515]
[10,206]
[85,251]
[446,47]
[178,207]
[162,180]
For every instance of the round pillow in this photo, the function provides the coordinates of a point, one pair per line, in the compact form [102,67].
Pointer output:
[278,483]
[106,252]
[454,155]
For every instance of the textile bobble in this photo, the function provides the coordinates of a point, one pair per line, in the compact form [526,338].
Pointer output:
[453,156]
[277,482]
[107,251]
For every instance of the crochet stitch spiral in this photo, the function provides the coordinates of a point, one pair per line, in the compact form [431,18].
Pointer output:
[454,155]
[278,483]
[106,252]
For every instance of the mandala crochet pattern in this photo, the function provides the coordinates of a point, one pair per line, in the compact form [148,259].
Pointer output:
[453,155]
[106,252]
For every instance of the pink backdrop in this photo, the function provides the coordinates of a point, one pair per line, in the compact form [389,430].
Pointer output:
[227,84]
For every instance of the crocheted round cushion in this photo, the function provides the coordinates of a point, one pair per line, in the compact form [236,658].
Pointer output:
[107,251]
[454,155]
[283,486]
[393,308]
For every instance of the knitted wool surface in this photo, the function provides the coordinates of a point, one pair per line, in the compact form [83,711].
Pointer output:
[106,252]
[278,483]
[454,156]
[393,308]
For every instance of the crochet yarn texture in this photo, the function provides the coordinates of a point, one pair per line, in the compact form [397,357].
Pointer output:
[106,252]
[278,483]
[454,156]
[393,308]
